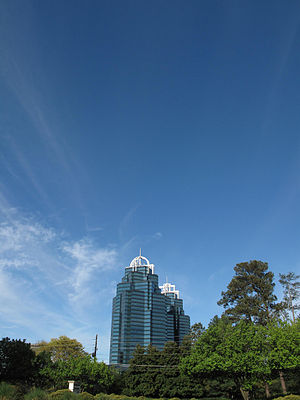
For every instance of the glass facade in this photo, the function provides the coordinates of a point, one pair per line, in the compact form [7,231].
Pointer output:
[144,313]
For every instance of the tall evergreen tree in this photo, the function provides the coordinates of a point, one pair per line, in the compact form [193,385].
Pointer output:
[250,293]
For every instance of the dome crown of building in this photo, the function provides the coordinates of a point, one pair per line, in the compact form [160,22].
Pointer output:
[141,261]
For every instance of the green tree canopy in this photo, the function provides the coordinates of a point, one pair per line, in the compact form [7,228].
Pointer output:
[235,351]
[250,294]
[283,354]
[283,345]
[16,361]
[154,373]
[196,331]
[95,377]
[61,348]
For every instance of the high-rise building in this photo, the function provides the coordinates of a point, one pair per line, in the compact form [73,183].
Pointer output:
[144,313]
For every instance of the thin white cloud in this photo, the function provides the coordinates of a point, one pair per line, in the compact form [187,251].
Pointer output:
[30,172]
[124,224]
[22,71]
[89,261]
[49,285]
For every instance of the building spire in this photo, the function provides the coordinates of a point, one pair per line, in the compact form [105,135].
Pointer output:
[140,252]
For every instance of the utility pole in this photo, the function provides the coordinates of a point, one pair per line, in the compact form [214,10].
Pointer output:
[96,348]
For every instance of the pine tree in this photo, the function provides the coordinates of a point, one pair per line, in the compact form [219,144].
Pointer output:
[250,294]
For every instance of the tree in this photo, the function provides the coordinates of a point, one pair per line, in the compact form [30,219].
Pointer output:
[291,294]
[191,339]
[233,351]
[16,361]
[196,331]
[154,373]
[61,349]
[250,294]
[95,377]
[170,381]
[140,378]
[283,353]
[42,361]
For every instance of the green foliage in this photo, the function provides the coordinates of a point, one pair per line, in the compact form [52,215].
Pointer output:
[247,353]
[292,380]
[250,294]
[85,396]
[154,374]
[61,348]
[36,394]
[16,361]
[102,396]
[94,377]
[64,394]
[283,342]
[236,352]
[191,339]
[7,392]
[212,398]
[219,386]
[41,362]
[289,397]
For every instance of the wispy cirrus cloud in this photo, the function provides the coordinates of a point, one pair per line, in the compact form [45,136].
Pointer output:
[50,285]
[89,261]
[22,73]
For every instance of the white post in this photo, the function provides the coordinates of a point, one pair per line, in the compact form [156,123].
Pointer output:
[71,385]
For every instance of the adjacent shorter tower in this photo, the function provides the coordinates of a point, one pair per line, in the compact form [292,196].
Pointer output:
[144,313]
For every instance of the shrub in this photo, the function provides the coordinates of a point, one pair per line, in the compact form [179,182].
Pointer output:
[213,398]
[7,392]
[36,394]
[85,396]
[289,397]
[112,396]
[102,396]
[63,394]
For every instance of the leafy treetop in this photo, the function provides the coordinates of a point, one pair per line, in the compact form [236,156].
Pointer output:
[61,348]
[250,294]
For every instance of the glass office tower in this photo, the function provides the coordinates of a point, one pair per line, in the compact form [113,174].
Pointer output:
[144,313]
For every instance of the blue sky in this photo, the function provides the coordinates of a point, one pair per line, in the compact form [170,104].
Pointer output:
[167,125]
